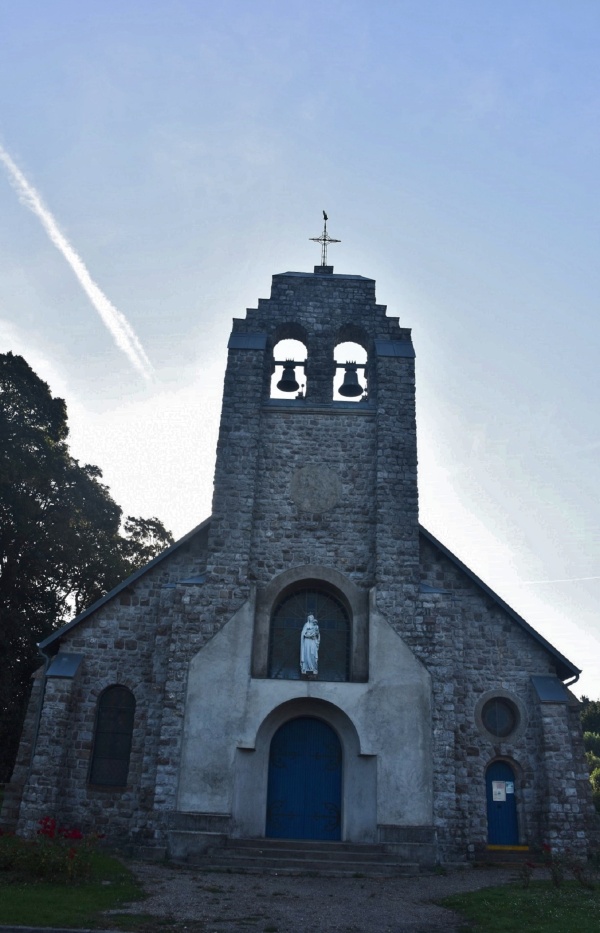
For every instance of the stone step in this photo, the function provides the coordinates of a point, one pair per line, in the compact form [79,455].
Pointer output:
[340,856]
[219,852]
[504,856]
[412,852]
[300,866]
[301,856]
[307,845]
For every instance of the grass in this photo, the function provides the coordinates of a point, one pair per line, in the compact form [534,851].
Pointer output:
[63,905]
[541,908]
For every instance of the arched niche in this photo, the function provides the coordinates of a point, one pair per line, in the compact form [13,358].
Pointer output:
[346,353]
[293,349]
[353,603]
[287,622]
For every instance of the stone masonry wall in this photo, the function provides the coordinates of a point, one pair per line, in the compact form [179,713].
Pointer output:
[473,647]
[570,817]
[341,537]
[126,641]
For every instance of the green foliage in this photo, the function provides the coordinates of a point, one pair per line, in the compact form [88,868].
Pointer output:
[44,904]
[590,721]
[591,740]
[61,545]
[593,761]
[595,782]
[590,715]
[540,908]
[55,854]
[562,864]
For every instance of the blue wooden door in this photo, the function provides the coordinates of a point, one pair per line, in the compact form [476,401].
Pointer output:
[503,829]
[304,794]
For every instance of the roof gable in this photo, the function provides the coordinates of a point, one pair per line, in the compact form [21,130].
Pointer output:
[565,668]
[57,635]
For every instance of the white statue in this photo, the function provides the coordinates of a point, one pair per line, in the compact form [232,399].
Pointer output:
[309,646]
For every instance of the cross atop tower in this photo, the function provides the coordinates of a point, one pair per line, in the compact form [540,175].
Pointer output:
[324,239]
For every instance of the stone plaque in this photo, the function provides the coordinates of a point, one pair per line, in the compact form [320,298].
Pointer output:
[315,488]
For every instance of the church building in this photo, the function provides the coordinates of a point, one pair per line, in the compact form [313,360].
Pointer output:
[309,663]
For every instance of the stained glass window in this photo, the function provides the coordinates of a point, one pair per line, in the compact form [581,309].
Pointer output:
[112,737]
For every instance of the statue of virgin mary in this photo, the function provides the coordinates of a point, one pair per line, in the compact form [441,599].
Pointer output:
[309,646]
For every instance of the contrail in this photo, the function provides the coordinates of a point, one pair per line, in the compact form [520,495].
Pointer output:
[116,322]
[565,580]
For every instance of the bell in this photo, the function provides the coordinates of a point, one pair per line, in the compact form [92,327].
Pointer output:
[351,387]
[288,383]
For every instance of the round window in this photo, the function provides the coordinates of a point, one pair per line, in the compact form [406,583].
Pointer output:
[500,717]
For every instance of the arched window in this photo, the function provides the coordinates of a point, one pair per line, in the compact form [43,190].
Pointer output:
[350,380]
[287,623]
[112,737]
[289,381]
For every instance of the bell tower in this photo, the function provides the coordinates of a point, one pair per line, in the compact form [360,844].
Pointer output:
[317,481]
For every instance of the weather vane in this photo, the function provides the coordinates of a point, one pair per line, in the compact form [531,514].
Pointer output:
[324,239]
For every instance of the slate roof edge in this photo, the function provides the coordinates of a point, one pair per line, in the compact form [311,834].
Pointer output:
[331,275]
[570,670]
[123,585]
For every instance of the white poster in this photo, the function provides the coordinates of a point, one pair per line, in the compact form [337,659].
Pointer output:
[499,790]
[510,787]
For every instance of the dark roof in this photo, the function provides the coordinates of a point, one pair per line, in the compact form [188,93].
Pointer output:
[122,586]
[564,667]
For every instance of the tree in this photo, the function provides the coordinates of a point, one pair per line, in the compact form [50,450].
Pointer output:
[590,715]
[590,721]
[61,544]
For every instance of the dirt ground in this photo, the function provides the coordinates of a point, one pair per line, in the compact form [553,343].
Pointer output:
[194,901]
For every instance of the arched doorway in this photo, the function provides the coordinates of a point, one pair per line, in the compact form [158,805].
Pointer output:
[503,827]
[304,794]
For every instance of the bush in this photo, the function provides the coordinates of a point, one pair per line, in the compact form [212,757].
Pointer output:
[595,782]
[590,715]
[591,740]
[56,854]
[593,761]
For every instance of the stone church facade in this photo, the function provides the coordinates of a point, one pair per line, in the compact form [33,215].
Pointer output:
[173,713]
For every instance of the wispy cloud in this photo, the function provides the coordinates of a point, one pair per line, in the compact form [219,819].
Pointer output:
[561,580]
[115,322]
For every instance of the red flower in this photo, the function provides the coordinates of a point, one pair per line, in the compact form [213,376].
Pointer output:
[47,827]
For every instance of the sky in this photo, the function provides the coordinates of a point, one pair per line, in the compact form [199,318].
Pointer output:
[160,161]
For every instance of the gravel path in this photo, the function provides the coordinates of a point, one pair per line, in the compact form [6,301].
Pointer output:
[192,901]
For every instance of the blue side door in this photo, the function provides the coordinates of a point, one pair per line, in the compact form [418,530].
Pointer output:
[304,794]
[503,828]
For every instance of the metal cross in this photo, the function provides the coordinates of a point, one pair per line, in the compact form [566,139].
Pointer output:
[324,239]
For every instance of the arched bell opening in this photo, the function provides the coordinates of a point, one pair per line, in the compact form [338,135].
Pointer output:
[350,380]
[288,380]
